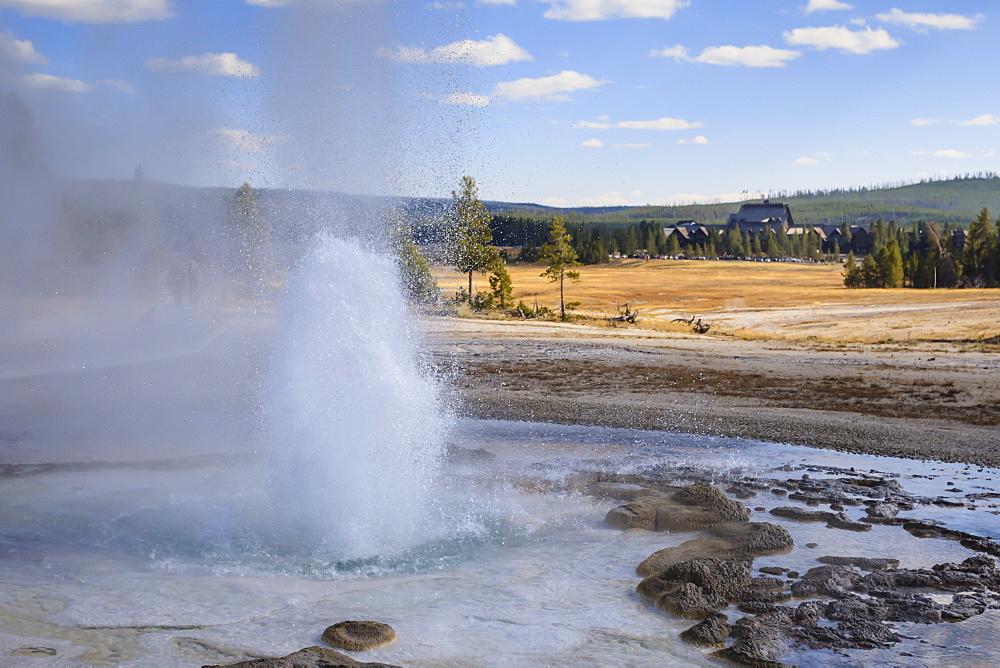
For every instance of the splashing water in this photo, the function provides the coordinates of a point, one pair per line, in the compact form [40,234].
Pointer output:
[356,431]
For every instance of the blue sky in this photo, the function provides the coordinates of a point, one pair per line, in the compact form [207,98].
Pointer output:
[563,102]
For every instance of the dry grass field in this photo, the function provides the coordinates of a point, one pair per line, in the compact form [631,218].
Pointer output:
[786,301]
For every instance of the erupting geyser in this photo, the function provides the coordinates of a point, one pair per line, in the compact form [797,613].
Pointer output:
[356,430]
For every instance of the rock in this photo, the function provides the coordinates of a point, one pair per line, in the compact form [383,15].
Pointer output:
[639,514]
[716,507]
[711,632]
[686,599]
[833,520]
[759,647]
[730,540]
[882,511]
[741,491]
[698,587]
[359,635]
[468,455]
[925,529]
[33,651]
[773,570]
[755,538]
[864,563]
[691,508]
[962,607]
[310,657]
[833,581]
[810,613]
[703,547]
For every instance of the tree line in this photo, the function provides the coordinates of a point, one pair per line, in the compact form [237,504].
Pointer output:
[928,257]
[594,243]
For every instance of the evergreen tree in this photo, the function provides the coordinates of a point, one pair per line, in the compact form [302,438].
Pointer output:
[890,265]
[673,246]
[419,285]
[253,239]
[979,260]
[853,277]
[560,257]
[469,235]
[871,277]
[501,286]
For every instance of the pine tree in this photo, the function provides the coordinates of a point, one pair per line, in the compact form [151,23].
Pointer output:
[501,286]
[853,277]
[560,257]
[469,234]
[419,285]
[871,277]
[890,265]
[253,244]
[673,246]
[979,260]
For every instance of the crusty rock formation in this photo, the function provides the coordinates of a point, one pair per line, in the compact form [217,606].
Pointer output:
[359,635]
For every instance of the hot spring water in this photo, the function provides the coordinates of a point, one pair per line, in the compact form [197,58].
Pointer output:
[143,529]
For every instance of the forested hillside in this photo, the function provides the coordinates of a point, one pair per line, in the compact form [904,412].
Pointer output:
[953,201]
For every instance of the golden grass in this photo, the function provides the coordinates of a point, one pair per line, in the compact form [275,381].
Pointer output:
[759,300]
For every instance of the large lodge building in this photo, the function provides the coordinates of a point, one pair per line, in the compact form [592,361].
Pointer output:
[755,219]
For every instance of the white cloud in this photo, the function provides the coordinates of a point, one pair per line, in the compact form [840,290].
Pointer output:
[921,22]
[19,50]
[950,153]
[700,139]
[842,38]
[676,52]
[660,124]
[984,119]
[817,158]
[920,122]
[61,84]
[118,85]
[494,50]
[664,123]
[241,141]
[466,99]
[210,64]
[593,143]
[93,11]
[610,199]
[555,88]
[598,10]
[825,6]
[748,56]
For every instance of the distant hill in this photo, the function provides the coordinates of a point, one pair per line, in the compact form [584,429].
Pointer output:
[296,213]
[953,201]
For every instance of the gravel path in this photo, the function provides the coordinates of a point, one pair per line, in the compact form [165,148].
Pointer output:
[927,401]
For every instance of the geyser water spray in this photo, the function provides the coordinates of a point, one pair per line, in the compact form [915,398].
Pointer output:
[356,431]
